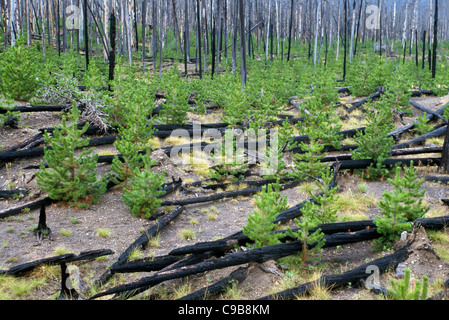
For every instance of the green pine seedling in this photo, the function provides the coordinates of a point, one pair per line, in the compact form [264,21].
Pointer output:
[321,126]
[19,71]
[375,143]
[401,289]
[321,209]
[69,178]
[400,207]
[142,193]
[260,225]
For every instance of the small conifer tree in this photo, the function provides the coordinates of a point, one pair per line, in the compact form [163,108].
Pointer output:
[321,209]
[69,178]
[374,143]
[260,225]
[141,193]
[400,207]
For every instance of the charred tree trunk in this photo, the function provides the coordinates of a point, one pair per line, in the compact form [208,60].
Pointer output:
[290,31]
[198,21]
[345,38]
[242,43]
[112,34]
[86,34]
[435,41]
[424,50]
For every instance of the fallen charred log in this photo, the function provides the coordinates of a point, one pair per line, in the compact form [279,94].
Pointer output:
[9,194]
[145,265]
[36,108]
[220,286]
[22,269]
[23,144]
[431,117]
[365,100]
[354,276]
[29,206]
[363,164]
[239,239]
[273,252]
[426,110]
[141,242]
[393,153]
[442,179]
[229,194]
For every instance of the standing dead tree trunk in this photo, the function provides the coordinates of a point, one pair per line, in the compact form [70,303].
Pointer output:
[345,37]
[112,35]
[198,35]
[435,40]
[290,30]
[144,27]
[242,43]
[86,34]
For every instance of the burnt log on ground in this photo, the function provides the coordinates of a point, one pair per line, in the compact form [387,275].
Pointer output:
[431,117]
[39,152]
[222,195]
[393,153]
[145,265]
[442,179]
[237,276]
[23,144]
[354,276]
[428,111]
[239,239]
[140,242]
[421,139]
[420,93]
[259,255]
[25,268]
[36,108]
[365,100]
[9,194]
[363,164]
[29,206]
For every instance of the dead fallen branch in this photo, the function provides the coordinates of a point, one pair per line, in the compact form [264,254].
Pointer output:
[363,164]
[273,252]
[354,276]
[141,242]
[9,194]
[220,286]
[36,108]
[22,269]
[229,194]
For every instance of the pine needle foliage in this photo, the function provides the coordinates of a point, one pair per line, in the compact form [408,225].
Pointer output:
[260,225]
[401,288]
[400,207]
[70,178]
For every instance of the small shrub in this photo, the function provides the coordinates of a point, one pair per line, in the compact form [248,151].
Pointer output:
[19,71]
[400,207]
[68,178]
[260,225]
[401,289]
[141,193]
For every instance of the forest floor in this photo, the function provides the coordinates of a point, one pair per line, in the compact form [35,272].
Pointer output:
[76,230]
